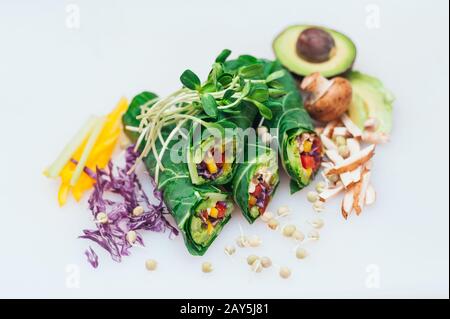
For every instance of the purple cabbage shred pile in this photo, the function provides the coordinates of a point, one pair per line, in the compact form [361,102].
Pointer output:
[125,186]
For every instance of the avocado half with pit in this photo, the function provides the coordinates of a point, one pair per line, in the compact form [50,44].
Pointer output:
[305,49]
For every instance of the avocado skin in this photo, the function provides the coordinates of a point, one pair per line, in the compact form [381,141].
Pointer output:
[284,47]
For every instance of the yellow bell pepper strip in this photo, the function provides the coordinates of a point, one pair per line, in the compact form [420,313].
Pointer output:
[87,150]
[307,146]
[99,155]
[214,212]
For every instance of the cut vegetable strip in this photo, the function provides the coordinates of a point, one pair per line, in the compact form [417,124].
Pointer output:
[375,138]
[352,128]
[347,204]
[354,148]
[352,162]
[331,192]
[99,123]
[328,143]
[55,169]
[341,131]
[370,195]
[347,177]
[328,130]
[364,185]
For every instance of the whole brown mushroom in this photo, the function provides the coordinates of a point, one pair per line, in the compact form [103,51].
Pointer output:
[326,100]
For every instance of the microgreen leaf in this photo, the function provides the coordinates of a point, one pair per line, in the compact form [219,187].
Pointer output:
[251,71]
[228,94]
[259,92]
[263,110]
[190,80]
[247,59]
[225,79]
[246,89]
[197,105]
[232,111]
[215,126]
[275,76]
[223,56]
[215,72]
[277,92]
[276,85]
[209,105]
[209,87]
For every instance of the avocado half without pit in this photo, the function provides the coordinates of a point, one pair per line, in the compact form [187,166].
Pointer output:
[304,50]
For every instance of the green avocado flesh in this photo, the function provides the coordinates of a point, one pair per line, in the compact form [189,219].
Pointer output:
[293,154]
[371,100]
[285,48]
[200,234]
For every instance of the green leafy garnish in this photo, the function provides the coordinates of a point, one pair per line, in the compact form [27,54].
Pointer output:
[209,105]
[223,56]
[190,80]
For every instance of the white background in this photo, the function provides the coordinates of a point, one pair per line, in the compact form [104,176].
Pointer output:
[52,77]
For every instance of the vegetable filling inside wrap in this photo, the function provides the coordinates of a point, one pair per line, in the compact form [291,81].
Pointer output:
[305,154]
[213,161]
[261,188]
[209,216]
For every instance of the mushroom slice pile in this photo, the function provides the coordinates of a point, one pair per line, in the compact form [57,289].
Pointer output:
[353,172]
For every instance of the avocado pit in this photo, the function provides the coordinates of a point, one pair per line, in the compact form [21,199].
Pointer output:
[315,45]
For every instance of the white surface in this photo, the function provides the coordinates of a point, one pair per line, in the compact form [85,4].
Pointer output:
[52,77]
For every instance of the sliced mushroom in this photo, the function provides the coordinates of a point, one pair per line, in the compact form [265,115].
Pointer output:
[346,178]
[328,143]
[352,127]
[330,192]
[326,100]
[371,124]
[328,130]
[370,195]
[365,180]
[354,148]
[347,204]
[356,195]
[341,131]
[375,138]
[354,161]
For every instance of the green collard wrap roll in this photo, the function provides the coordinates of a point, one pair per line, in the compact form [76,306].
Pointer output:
[211,158]
[299,147]
[256,180]
[187,203]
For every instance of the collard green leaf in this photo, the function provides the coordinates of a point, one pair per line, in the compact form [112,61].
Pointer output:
[290,119]
[256,155]
[180,196]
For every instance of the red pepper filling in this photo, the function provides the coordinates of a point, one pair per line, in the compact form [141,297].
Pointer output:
[311,152]
[261,196]
[212,216]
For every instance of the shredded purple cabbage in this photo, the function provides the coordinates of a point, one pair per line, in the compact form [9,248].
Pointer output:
[86,169]
[111,236]
[91,257]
